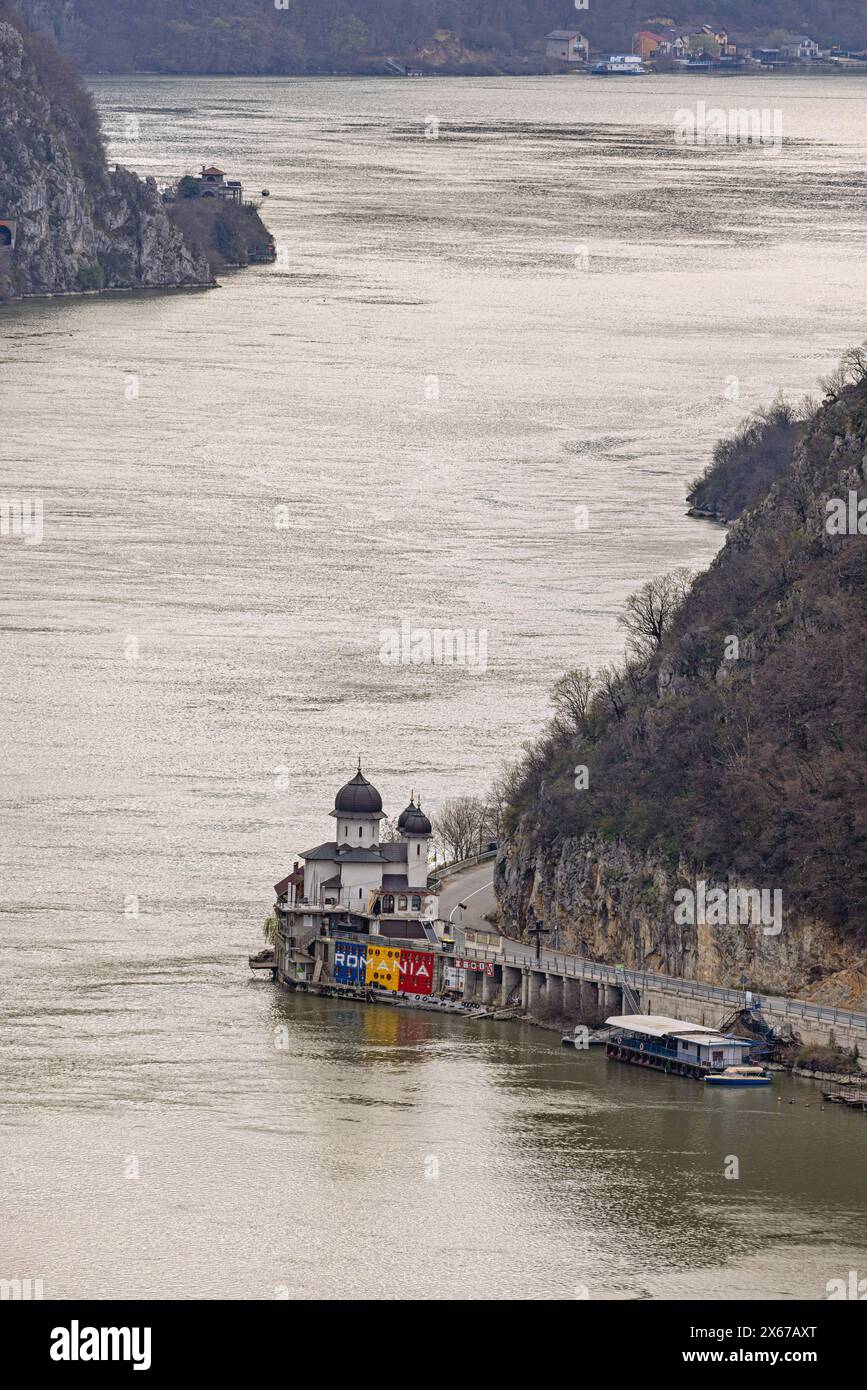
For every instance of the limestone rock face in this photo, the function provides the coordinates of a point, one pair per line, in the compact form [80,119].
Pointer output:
[614,904]
[79,226]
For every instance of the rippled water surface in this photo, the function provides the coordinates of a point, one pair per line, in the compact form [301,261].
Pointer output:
[551,305]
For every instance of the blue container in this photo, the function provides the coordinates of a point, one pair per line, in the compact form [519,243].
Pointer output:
[350,963]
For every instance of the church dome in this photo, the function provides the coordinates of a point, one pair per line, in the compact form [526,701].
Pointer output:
[413,821]
[358,798]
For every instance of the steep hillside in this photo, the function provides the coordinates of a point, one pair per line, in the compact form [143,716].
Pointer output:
[728,747]
[745,465]
[251,36]
[77,226]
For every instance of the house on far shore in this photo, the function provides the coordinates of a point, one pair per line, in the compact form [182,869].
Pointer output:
[707,43]
[799,46]
[768,57]
[214,184]
[567,45]
[646,44]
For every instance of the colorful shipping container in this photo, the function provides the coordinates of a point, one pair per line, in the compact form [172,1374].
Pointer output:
[416,972]
[389,967]
[383,966]
[350,963]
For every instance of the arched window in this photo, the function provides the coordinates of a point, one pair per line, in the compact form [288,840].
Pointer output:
[418,849]
[401,904]
[416,903]
[388,903]
[360,831]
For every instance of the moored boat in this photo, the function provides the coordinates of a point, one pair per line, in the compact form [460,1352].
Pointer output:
[673,1045]
[739,1076]
[621,65]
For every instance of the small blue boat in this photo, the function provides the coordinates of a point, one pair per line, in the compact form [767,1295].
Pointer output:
[739,1076]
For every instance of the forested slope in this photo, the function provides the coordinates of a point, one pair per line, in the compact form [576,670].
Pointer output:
[251,36]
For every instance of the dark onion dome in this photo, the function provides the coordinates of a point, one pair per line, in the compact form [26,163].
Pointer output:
[358,798]
[413,821]
[407,811]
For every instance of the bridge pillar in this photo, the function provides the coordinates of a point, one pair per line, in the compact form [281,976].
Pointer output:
[525,989]
[490,988]
[588,1000]
[471,981]
[511,981]
[554,992]
[537,980]
[611,1000]
[571,996]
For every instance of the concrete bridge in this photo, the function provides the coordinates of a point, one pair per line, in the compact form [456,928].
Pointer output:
[563,985]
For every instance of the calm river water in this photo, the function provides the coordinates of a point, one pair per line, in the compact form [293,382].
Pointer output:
[548,306]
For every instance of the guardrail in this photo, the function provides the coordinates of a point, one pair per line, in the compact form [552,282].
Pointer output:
[459,864]
[576,968]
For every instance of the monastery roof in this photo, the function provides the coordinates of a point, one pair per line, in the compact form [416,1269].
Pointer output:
[349,854]
[394,851]
[358,798]
[396,883]
[328,850]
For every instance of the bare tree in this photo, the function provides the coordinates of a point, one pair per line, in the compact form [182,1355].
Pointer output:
[459,826]
[612,690]
[388,831]
[498,798]
[572,698]
[651,611]
[852,371]
[854,363]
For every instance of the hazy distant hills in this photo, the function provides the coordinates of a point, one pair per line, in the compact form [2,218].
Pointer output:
[252,36]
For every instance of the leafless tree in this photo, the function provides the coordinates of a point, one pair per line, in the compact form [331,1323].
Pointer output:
[854,363]
[459,826]
[572,698]
[388,831]
[651,611]
[612,690]
[852,371]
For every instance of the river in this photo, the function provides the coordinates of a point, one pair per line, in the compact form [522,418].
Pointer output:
[497,301]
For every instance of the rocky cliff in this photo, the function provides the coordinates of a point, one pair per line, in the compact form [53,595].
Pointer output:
[608,901]
[728,753]
[77,226]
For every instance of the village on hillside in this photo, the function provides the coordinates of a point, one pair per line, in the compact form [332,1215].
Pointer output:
[660,44]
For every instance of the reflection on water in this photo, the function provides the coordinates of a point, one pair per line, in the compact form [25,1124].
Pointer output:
[584,294]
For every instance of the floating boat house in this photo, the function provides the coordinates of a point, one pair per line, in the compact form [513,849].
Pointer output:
[670,1045]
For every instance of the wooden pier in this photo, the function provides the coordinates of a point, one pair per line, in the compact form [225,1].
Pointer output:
[851,1093]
